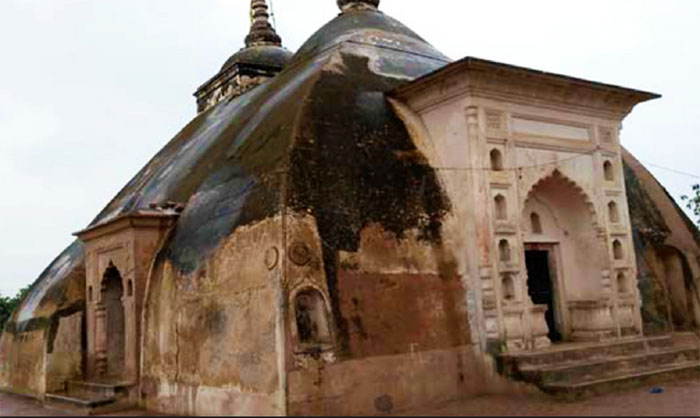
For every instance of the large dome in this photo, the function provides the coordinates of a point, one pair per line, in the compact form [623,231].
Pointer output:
[320,137]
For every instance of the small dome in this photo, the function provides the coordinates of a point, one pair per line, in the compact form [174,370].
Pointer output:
[272,56]
[263,47]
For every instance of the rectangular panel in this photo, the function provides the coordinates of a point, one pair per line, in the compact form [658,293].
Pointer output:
[551,130]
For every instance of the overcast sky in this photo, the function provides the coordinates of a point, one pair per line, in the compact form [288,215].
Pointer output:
[90,90]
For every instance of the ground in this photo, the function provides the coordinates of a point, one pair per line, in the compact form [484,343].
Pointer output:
[681,398]
[677,399]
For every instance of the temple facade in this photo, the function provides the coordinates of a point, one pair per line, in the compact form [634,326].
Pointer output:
[365,226]
[544,215]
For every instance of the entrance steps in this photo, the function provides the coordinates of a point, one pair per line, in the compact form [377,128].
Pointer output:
[579,370]
[93,398]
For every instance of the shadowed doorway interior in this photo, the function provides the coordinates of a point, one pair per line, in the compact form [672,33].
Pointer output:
[112,296]
[540,287]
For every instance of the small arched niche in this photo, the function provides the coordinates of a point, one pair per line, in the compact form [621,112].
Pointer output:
[608,171]
[508,288]
[535,223]
[622,283]
[90,294]
[501,207]
[618,251]
[613,213]
[130,289]
[496,160]
[311,319]
[504,251]
[112,296]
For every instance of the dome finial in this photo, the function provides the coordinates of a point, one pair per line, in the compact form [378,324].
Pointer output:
[350,5]
[261,32]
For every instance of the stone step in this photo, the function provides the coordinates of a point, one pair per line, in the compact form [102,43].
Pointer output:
[602,368]
[559,354]
[584,387]
[79,404]
[87,403]
[91,398]
[99,388]
[686,338]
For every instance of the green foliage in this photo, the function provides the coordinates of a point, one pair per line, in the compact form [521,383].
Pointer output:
[8,305]
[693,202]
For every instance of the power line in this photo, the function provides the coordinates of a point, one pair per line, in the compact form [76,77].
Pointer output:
[682,173]
[518,168]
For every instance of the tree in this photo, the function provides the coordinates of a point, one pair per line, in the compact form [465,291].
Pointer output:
[693,202]
[8,305]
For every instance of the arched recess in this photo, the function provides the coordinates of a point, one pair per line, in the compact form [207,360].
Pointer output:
[500,207]
[504,251]
[613,213]
[112,295]
[573,190]
[311,319]
[608,171]
[672,266]
[508,287]
[623,285]
[618,250]
[568,222]
[535,223]
[496,158]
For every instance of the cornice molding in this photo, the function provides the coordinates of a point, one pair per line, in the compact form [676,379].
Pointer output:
[491,80]
[136,220]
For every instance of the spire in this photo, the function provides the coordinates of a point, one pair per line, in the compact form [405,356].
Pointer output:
[261,32]
[349,5]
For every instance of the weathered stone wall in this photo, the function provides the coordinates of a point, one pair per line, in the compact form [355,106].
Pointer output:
[402,338]
[23,362]
[65,355]
[668,249]
[398,297]
[382,384]
[27,346]
[211,339]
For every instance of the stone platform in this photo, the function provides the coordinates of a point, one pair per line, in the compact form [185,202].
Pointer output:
[93,398]
[585,369]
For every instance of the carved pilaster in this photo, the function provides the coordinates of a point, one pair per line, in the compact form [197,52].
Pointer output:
[101,341]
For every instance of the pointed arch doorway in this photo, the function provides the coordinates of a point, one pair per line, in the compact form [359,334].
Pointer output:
[111,359]
[563,253]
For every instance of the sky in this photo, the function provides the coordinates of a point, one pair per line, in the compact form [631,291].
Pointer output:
[90,90]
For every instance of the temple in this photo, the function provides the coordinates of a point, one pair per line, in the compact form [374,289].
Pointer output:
[365,227]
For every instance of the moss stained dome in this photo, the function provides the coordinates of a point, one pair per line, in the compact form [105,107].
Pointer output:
[320,133]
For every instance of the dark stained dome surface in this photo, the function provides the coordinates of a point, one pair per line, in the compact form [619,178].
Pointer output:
[371,28]
[322,127]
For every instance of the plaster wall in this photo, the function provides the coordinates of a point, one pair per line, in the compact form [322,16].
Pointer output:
[65,354]
[23,362]
[212,340]
[402,335]
[26,355]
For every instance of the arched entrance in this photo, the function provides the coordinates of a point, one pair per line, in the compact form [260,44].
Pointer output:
[563,255]
[673,269]
[112,299]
